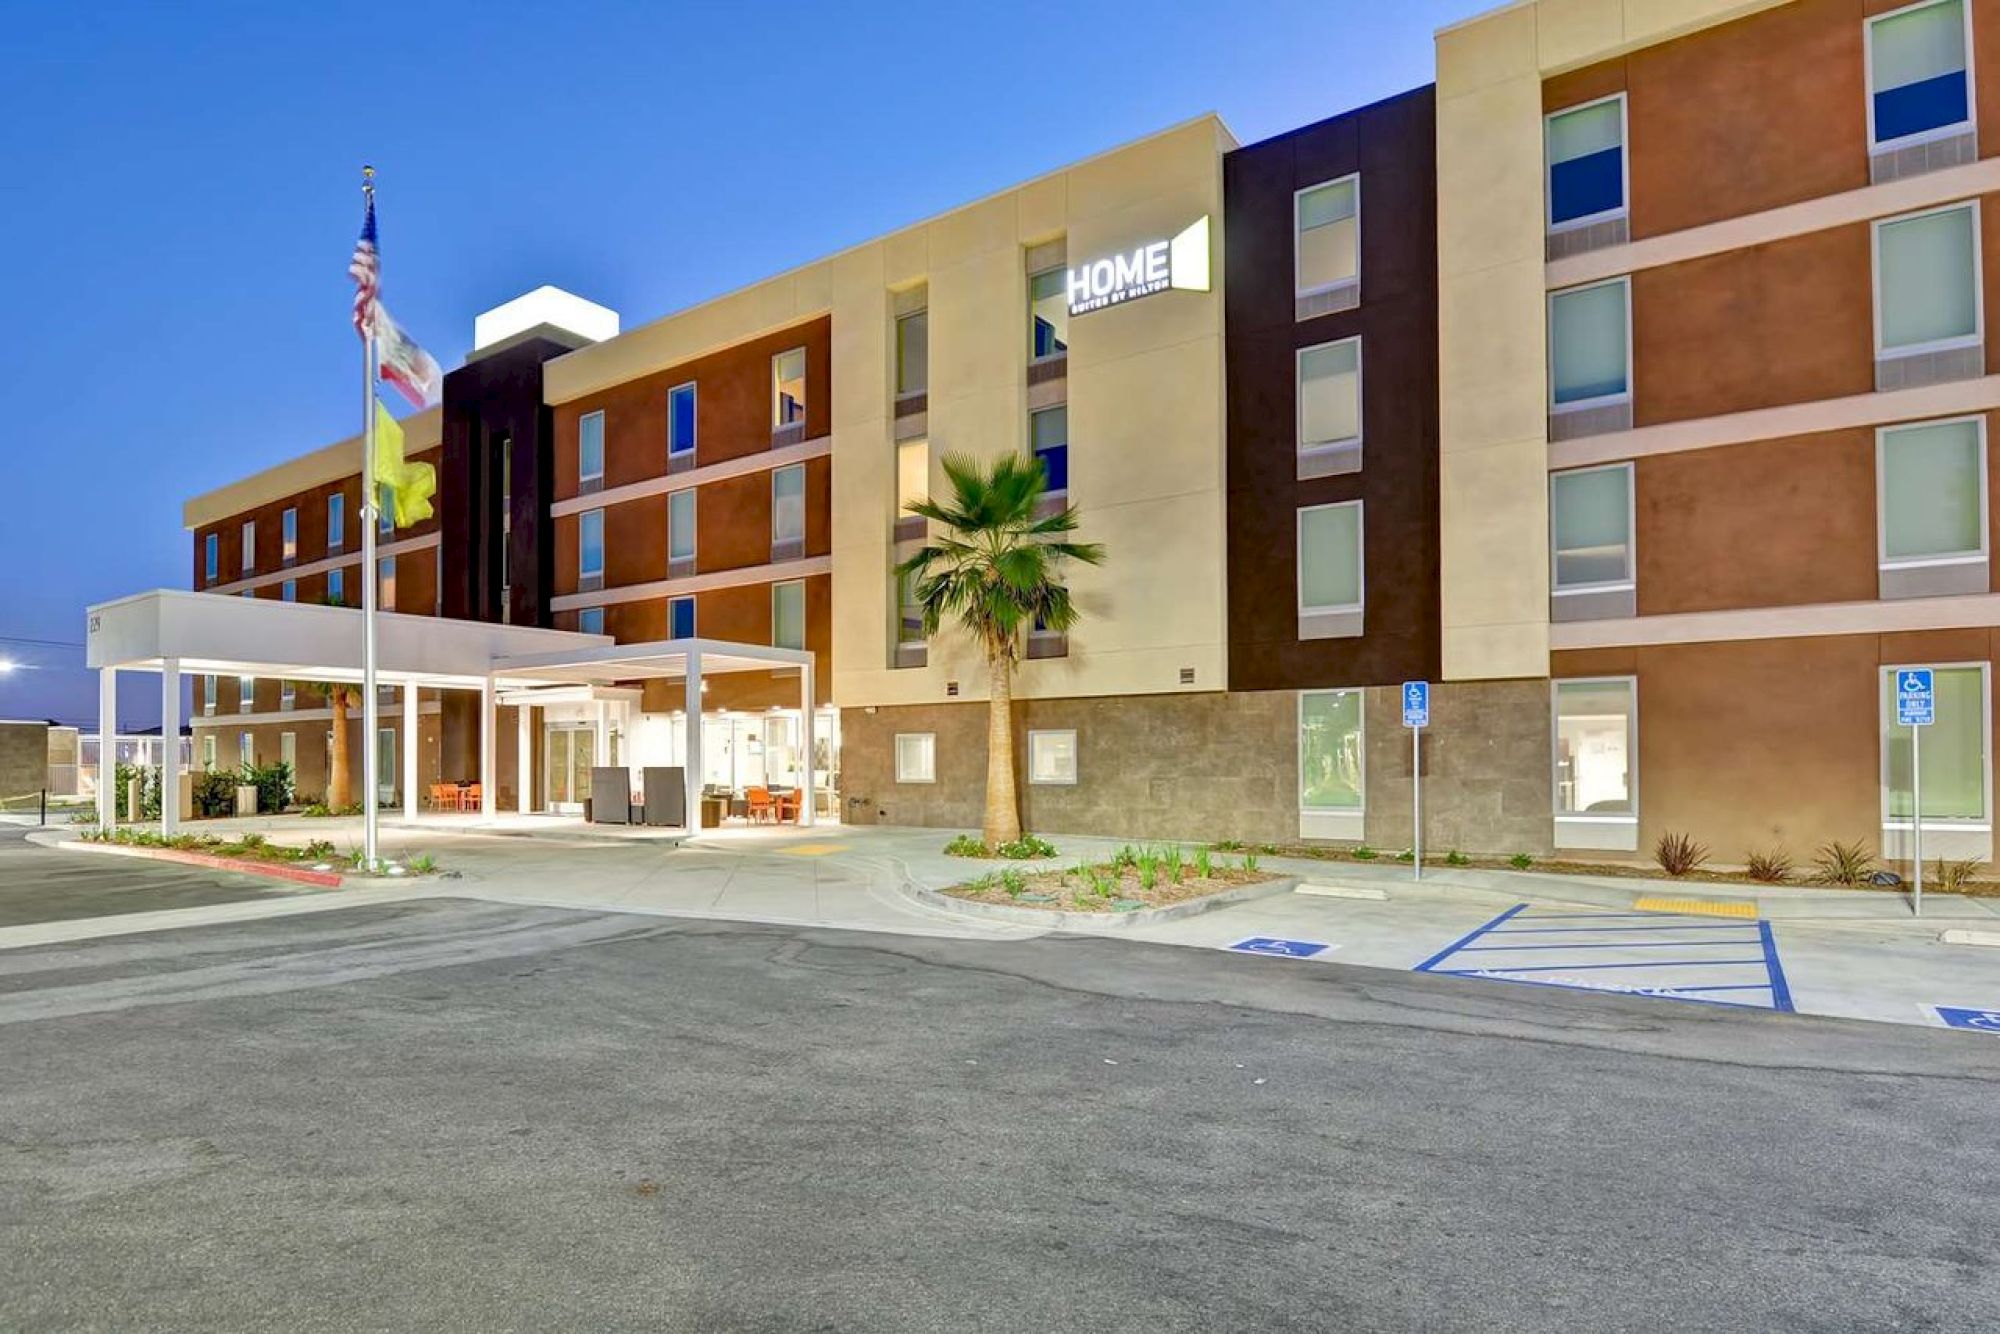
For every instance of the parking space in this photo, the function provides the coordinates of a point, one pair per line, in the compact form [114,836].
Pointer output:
[40,884]
[1674,956]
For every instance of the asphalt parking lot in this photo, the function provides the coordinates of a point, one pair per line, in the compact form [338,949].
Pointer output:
[40,884]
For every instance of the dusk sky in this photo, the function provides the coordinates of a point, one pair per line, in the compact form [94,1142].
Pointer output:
[182,188]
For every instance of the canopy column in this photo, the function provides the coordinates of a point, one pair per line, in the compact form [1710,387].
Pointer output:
[409,751]
[524,758]
[107,747]
[691,756]
[489,749]
[806,744]
[170,755]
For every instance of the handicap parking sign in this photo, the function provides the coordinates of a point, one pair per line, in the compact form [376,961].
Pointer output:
[1288,949]
[1979,1021]
[1916,702]
[1416,704]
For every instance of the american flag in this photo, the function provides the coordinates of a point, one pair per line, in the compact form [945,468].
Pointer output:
[366,270]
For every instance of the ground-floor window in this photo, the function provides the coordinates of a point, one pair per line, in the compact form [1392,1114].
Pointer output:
[1954,749]
[1597,747]
[1330,751]
[916,757]
[288,752]
[1052,757]
[208,751]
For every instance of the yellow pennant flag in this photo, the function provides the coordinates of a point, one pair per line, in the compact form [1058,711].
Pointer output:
[406,487]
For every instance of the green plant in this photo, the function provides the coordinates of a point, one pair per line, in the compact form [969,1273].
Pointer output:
[1173,863]
[1363,853]
[965,845]
[149,788]
[1407,855]
[1013,882]
[1456,858]
[1839,863]
[1773,868]
[995,571]
[1025,848]
[1250,861]
[215,793]
[273,783]
[1949,877]
[1204,865]
[1227,845]
[1520,861]
[1149,872]
[1125,858]
[1679,854]
[1104,883]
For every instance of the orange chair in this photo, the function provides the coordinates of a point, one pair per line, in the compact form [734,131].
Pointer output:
[762,807]
[443,797]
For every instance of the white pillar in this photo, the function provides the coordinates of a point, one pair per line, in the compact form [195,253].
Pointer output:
[170,726]
[691,758]
[806,744]
[602,750]
[524,758]
[107,747]
[489,750]
[410,751]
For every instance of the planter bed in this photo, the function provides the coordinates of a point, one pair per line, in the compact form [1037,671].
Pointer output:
[270,870]
[1067,899]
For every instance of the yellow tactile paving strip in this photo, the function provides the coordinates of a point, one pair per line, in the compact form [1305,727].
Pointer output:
[811,850]
[1703,907]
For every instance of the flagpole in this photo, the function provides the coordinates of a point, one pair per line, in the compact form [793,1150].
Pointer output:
[370,518]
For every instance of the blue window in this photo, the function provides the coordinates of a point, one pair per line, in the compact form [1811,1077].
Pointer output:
[590,542]
[211,559]
[680,618]
[590,446]
[1917,70]
[336,587]
[591,620]
[1048,436]
[1586,147]
[680,419]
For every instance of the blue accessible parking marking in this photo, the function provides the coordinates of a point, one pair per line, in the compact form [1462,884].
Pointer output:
[1669,955]
[1979,1021]
[1288,949]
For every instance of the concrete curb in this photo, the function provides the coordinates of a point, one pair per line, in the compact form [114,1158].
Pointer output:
[1088,923]
[298,875]
[1963,936]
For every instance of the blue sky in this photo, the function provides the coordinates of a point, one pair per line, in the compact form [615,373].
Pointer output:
[182,187]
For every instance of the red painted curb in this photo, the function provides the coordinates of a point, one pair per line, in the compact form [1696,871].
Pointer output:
[270,870]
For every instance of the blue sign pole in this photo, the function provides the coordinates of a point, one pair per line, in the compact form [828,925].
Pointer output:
[1916,709]
[1416,717]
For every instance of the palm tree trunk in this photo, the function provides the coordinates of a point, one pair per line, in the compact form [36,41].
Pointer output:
[1003,812]
[338,797]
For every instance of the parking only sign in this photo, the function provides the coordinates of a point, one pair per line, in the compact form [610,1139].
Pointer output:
[1416,703]
[1916,702]
[1979,1021]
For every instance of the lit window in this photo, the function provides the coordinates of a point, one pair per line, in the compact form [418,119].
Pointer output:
[336,521]
[1586,150]
[385,590]
[590,447]
[788,615]
[590,543]
[1330,750]
[1052,758]
[288,751]
[1328,241]
[680,419]
[289,527]
[1932,482]
[913,353]
[1590,523]
[788,387]
[336,587]
[1589,345]
[1954,748]
[289,590]
[1048,315]
[246,694]
[288,695]
[1927,281]
[1596,741]
[1329,394]
[590,620]
[680,525]
[208,751]
[211,558]
[208,694]
[1048,436]
[1917,72]
[788,504]
[246,749]
[913,473]
[1330,558]
[249,546]
[916,757]
[909,611]
[680,618]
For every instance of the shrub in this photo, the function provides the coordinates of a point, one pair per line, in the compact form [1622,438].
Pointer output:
[1013,882]
[318,850]
[1949,877]
[1204,865]
[423,863]
[965,845]
[1520,861]
[1364,853]
[1456,858]
[215,793]
[1678,854]
[1125,858]
[1407,855]
[149,788]
[1773,868]
[1226,845]
[1839,863]
[1172,863]
[1250,861]
[273,783]
[1025,848]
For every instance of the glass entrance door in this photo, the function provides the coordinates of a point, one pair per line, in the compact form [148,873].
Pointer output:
[568,752]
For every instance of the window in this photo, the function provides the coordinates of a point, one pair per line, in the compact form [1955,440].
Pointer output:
[288,528]
[1048,436]
[1590,528]
[289,590]
[208,751]
[788,388]
[1932,481]
[909,611]
[385,510]
[590,620]
[680,525]
[208,695]
[1330,558]
[1327,246]
[1329,394]
[916,757]
[1590,344]
[680,420]
[249,546]
[1048,315]
[336,521]
[1927,281]
[288,751]
[248,593]
[680,618]
[1586,154]
[913,353]
[1954,749]
[385,587]
[211,558]
[913,474]
[1917,78]
[288,696]
[1596,742]
[788,614]
[336,587]
[590,447]
[1330,751]
[246,694]
[246,749]
[1052,758]
[788,504]
[590,543]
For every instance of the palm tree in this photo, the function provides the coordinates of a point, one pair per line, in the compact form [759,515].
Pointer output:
[994,572]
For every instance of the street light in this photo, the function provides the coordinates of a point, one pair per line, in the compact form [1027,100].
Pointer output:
[7,666]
